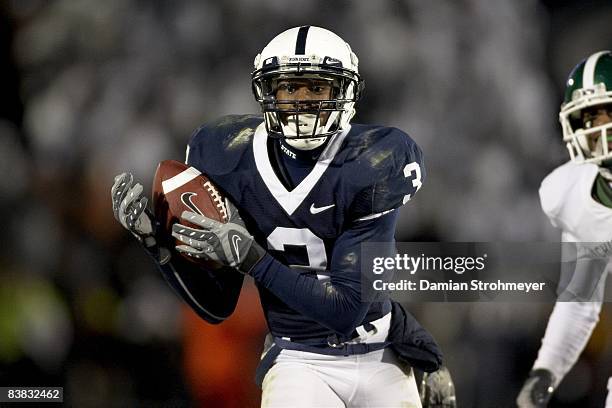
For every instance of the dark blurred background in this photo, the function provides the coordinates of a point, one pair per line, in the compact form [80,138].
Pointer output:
[92,88]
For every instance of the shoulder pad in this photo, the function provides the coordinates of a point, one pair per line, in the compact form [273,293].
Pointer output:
[558,187]
[390,167]
[216,147]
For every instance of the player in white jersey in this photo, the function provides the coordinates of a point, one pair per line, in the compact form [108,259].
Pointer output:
[577,198]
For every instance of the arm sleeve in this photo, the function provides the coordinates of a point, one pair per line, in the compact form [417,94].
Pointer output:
[575,314]
[569,328]
[213,295]
[335,304]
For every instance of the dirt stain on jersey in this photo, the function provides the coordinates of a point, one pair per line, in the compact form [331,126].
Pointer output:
[379,157]
[243,136]
[350,259]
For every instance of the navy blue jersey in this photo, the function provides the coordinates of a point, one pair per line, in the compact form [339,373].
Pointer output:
[316,228]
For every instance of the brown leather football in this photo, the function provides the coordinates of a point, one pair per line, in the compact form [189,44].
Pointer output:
[177,188]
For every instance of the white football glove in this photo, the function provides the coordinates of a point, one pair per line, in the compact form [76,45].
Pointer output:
[537,390]
[130,209]
[227,243]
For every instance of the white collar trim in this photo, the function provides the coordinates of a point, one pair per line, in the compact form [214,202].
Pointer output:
[291,200]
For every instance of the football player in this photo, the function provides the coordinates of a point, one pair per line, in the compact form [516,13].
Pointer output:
[577,197]
[308,188]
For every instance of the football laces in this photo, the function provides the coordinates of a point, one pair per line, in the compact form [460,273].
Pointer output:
[216,197]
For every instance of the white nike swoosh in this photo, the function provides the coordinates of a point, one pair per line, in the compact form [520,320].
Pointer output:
[316,210]
[235,240]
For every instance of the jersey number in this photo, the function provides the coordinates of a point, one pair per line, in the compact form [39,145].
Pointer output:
[416,182]
[301,237]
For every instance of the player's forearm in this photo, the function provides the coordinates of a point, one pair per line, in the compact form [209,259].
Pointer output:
[337,307]
[569,328]
[213,296]
[335,304]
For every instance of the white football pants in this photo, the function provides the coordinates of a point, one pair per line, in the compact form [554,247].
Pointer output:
[609,399]
[372,380]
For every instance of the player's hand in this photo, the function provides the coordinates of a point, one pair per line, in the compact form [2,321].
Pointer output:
[438,390]
[130,209]
[537,390]
[227,243]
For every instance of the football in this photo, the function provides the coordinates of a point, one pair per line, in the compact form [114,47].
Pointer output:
[178,187]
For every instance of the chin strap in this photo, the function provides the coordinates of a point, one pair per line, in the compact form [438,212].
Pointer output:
[308,121]
[306,144]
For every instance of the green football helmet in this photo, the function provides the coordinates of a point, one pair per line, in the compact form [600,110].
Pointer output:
[589,86]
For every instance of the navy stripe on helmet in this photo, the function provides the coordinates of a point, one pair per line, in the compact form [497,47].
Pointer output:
[300,43]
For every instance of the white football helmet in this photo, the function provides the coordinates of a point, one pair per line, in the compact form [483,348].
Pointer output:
[307,52]
[589,86]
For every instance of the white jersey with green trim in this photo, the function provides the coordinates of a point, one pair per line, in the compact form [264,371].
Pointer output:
[565,195]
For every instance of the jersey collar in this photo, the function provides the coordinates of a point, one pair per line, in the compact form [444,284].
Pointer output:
[291,200]
[304,157]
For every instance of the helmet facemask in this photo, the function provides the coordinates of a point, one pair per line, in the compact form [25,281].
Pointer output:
[306,123]
[587,143]
[305,120]
[586,113]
